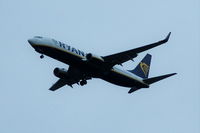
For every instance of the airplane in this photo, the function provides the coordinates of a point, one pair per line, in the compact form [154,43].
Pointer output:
[85,66]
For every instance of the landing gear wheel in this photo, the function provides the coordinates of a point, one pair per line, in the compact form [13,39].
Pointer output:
[83,82]
[41,56]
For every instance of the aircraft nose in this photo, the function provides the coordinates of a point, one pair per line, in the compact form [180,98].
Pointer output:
[31,41]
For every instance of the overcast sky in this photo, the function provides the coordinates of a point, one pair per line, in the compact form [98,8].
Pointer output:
[102,27]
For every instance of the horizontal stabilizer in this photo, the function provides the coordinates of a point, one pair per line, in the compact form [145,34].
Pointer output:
[60,83]
[133,89]
[156,79]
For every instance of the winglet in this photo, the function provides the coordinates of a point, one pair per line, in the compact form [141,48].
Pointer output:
[167,38]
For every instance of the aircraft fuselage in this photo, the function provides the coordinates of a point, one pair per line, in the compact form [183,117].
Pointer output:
[77,58]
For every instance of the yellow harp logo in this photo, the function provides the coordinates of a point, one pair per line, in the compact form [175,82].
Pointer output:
[145,68]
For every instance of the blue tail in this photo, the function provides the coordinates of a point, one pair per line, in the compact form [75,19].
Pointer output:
[142,69]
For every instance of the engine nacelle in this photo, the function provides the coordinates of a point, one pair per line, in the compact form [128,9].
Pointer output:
[93,57]
[60,73]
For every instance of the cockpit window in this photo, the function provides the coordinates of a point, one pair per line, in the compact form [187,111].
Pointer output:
[38,37]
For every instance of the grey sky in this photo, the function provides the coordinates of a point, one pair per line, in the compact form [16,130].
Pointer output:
[103,27]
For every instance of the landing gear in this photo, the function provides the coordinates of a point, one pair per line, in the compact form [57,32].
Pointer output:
[41,56]
[83,82]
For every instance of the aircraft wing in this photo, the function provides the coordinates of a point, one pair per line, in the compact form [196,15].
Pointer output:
[122,57]
[60,83]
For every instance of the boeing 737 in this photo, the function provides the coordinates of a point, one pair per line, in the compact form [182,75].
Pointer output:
[85,66]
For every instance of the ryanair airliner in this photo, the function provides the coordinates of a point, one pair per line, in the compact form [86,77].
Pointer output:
[85,66]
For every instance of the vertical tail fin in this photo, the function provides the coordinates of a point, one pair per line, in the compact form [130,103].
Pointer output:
[142,69]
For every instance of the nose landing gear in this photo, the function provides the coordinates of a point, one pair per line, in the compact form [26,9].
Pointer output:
[41,56]
[83,82]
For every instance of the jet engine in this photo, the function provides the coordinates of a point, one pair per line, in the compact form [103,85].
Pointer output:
[70,74]
[95,58]
[60,72]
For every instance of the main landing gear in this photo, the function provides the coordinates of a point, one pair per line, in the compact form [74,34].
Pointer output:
[83,82]
[41,56]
